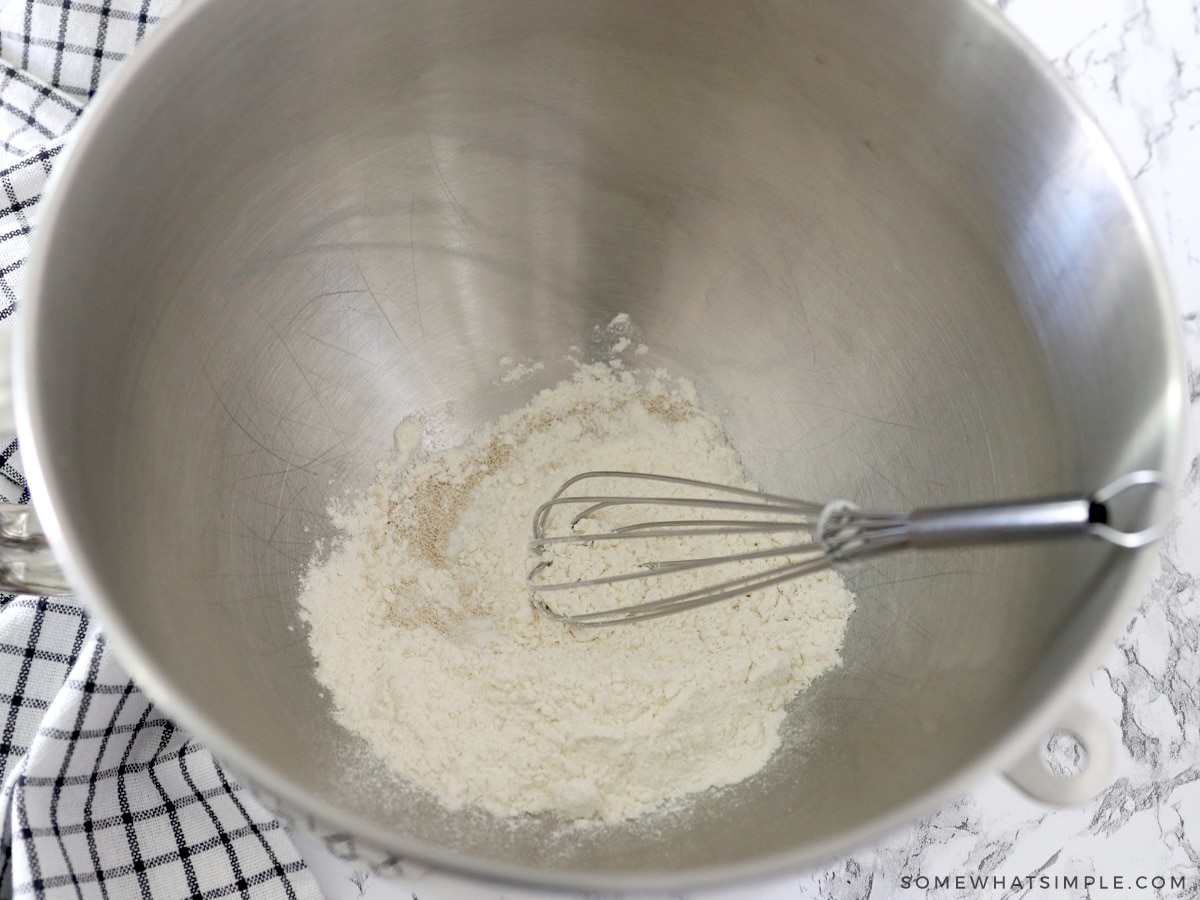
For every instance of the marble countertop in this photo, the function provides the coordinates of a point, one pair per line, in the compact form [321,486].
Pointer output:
[1136,64]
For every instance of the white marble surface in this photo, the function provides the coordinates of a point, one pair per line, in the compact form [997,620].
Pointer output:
[1136,64]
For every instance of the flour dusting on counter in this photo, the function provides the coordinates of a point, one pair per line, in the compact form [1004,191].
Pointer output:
[421,625]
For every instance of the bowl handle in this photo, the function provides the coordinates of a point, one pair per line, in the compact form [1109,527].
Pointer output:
[1033,774]
[26,564]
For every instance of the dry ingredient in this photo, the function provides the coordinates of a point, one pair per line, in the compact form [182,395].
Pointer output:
[423,633]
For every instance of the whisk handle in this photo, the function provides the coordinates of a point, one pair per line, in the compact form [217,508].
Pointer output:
[990,523]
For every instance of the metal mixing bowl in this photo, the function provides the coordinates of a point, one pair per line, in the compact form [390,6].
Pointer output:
[886,242]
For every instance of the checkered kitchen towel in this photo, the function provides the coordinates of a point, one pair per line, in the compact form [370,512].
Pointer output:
[101,795]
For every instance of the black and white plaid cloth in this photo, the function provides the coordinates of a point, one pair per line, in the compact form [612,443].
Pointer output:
[101,795]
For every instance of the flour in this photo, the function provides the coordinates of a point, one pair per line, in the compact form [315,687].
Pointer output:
[516,370]
[422,630]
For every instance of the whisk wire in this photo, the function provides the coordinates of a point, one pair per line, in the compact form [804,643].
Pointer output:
[767,514]
[653,609]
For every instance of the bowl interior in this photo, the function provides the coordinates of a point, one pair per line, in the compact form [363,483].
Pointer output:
[890,251]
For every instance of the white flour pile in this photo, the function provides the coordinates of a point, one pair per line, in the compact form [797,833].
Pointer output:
[423,633]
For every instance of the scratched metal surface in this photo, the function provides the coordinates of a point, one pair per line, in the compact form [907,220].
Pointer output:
[885,297]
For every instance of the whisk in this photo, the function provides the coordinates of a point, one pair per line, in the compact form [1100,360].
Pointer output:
[581,513]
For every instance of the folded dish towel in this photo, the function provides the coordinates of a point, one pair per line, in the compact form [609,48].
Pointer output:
[102,796]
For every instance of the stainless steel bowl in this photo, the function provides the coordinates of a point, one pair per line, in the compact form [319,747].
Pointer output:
[887,243]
